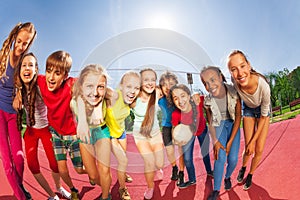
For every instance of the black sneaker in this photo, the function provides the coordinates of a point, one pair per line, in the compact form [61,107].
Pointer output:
[240,177]
[211,174]
[227,184]
[27,194]
[186,184]
[248,182]
[214,195]
[180,178]
[174,176]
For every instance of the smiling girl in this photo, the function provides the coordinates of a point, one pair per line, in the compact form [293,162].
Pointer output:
[191,114]
[254,90]
[146,130]
[223,109]
[95,144]
[14,47]
[37,126]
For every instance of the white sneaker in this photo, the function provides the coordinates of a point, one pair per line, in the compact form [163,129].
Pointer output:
[54,198]
[64,192]
[149,193]
[159,175]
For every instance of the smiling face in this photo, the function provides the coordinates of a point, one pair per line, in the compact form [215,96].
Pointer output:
[93,88]
[213,83]
[54,78]
[130,88]
[23,39]
[28,69]
[239,69]
[181,99]
[148,81]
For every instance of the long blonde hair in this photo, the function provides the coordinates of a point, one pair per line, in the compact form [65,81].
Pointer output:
[8,43]
[95,69]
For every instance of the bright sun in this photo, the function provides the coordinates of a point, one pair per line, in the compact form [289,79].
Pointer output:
[161,20]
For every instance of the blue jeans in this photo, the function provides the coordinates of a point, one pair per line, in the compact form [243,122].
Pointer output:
[223,133]
[188,151]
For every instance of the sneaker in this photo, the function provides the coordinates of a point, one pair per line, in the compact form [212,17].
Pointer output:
[27,194]
[92,182]
[159,175]
[54,198]
[74,194]
[186,184]
[108,198]
[128,179]
[227,184]
[174,176]
[149,193]
[248,182]
[211,174]
[180,178]
[214,195]
[64,192]
[241,174]
[124,194]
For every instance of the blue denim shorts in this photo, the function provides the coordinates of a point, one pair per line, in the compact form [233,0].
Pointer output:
[251,112]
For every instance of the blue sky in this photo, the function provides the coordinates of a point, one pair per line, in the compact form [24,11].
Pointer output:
[267,31]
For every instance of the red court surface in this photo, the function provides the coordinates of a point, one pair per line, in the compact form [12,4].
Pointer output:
[277,176]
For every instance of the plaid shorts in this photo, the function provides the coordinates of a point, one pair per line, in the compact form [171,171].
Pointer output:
[66,143]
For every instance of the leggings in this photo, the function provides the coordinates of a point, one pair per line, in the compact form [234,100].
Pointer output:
[31,138]
[11,152]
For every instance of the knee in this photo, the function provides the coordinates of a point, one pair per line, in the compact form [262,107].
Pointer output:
[80,170]
[258,152]
[123,164]
[34,167]
[149,165]
[232,160]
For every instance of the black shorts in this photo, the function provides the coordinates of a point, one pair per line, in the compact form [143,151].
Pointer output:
[167,135]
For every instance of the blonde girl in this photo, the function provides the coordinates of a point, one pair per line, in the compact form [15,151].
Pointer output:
[14,47]
[129,89]
[254,90]
[146,131]
[89,90]
[223,109]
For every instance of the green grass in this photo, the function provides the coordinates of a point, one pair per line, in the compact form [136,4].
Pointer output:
[286,114]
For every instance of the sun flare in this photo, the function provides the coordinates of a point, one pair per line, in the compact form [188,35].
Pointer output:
[161,20]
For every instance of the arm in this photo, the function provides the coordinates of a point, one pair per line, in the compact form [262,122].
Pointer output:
[236,125]
[17,102]
[217,145]
[83,132]
[264,120]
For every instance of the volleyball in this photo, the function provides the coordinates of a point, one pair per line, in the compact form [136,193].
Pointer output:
[182,134]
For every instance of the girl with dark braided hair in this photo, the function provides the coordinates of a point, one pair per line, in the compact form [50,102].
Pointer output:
[190,113]
[13,49]
[37,125]
[223,110]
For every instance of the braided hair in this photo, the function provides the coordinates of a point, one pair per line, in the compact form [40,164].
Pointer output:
[194,125]
[8,43]
[28,94]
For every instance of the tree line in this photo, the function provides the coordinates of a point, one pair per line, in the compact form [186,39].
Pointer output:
[285,86]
